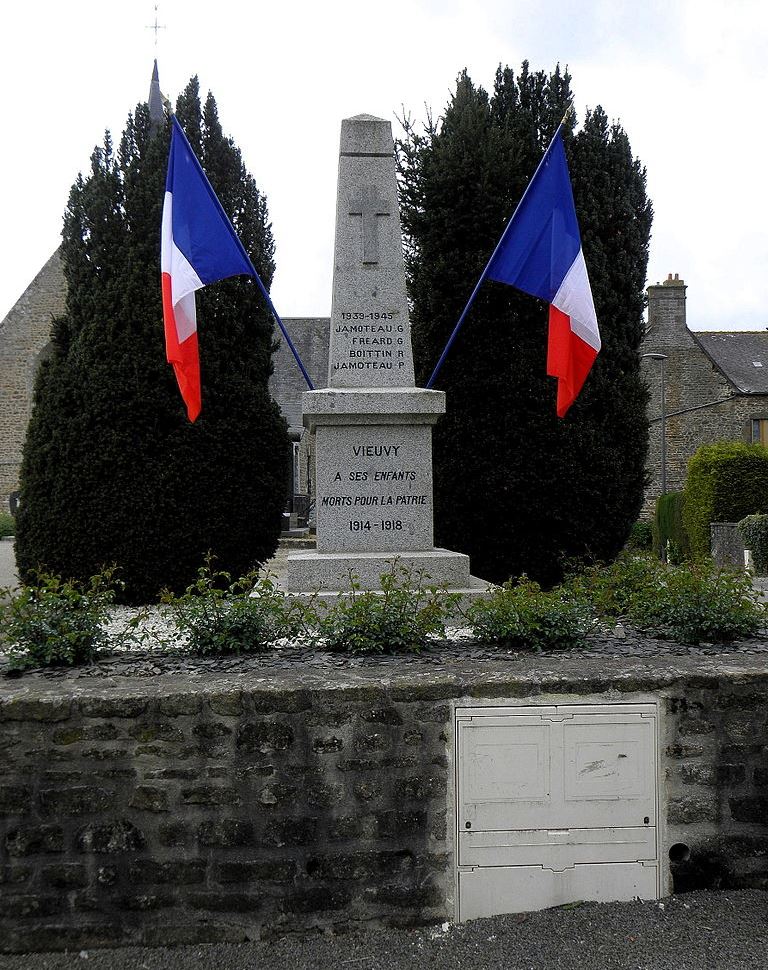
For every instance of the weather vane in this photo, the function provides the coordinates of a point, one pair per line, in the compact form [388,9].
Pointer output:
[155,26]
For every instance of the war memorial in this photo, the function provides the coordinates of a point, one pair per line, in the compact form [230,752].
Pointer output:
[161,801]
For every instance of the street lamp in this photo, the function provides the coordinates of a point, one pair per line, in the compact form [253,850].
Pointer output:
[662,358]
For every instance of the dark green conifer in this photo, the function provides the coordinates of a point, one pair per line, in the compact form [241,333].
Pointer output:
[516,488]
[112,470]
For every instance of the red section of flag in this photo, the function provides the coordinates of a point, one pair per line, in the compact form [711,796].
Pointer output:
[183,356]
[569,359]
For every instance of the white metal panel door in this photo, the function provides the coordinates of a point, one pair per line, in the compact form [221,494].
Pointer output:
[566,790]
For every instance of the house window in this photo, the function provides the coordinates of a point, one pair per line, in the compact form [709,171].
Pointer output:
[760,431]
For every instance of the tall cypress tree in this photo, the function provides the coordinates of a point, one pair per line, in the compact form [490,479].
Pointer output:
[516,488]
[112,470]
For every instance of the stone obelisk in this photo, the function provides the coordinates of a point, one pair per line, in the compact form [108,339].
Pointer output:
[372,426]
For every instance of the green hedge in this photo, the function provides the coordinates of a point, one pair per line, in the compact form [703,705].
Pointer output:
[726,481]
[668,529]
[754,534]
[7,524]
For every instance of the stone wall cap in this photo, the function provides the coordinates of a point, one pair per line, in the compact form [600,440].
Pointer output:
[376,401]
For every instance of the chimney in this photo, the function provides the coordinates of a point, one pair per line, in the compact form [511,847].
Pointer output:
[666,313]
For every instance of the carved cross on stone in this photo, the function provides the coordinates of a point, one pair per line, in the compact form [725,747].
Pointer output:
[367,205]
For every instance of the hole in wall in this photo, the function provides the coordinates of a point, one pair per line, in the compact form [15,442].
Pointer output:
[679,852]
[699,870]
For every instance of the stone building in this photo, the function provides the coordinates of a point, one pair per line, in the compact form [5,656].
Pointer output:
[716,386]
[24,340]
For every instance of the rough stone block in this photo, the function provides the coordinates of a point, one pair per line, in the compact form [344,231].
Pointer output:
[110,837]
[80,800]
[68,735]
[172,833]
[348,828]
[326,744]
[316,900]
[257,870]
[179,705]
[687,809]
[21,906]
[225,902]
[35,840]
[229,704]
[150,731]
[181,872]
[172,774]
[372,742]
[359,865]
[275,794]
[15,799]
[264,737]
[65,875]
[225,832]
[290,831]
[35,709]
[15,875]
[719,775]
[417,897]
[323,796]
[147,798]
[421,789]
[211,730]
[381,715]
[107,707]
[190,934]
[278,702]
[395,824]
[750,809]
[366,791]
[685,749]
[210,795]
[144,902]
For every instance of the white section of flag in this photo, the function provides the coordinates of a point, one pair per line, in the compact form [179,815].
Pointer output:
[184,280]
[574,298]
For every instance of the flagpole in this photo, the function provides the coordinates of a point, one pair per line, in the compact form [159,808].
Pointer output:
[483,275]
[265,294]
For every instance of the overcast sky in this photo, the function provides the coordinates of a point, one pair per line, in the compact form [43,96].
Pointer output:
[686,78]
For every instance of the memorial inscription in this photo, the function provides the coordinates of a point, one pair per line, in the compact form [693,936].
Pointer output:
[374,492]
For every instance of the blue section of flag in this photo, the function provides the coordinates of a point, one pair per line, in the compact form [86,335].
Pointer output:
[542,238]
[201,229]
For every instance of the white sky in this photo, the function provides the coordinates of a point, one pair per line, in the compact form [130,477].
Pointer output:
[686,78]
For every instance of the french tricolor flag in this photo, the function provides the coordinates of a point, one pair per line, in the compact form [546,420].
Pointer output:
[540,253]
[198,247]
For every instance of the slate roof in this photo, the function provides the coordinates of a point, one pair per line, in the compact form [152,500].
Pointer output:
[741,356]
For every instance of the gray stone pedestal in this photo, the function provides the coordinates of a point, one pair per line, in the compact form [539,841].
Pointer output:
[372,426]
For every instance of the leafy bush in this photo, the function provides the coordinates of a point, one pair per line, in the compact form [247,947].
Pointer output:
[613,589]
[523,616]
[640,537]
[726,481]
[670,540]
[691,604]
[753,530]
[399,618]
[217,615]
[55,622]
[7,524]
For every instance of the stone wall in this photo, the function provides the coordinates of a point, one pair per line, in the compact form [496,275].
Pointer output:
[702,406]
[209,806]
[24,335]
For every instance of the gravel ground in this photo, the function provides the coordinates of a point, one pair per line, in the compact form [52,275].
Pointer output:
[696,931]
